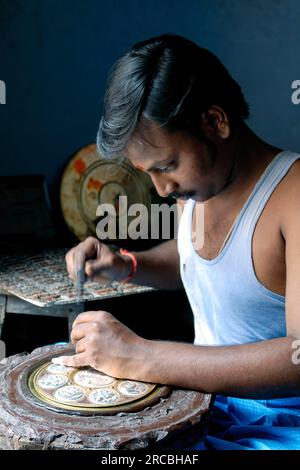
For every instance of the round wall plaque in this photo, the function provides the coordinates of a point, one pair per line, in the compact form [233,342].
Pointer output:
[90,181]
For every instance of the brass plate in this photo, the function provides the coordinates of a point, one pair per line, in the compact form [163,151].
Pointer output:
[89,181]
[87,389]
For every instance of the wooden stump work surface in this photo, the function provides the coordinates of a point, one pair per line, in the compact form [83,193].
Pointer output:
[27,424]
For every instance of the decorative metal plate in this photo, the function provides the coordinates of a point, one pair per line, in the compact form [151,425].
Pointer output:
[27,422]
[41,279]
[89,181]
[85,388]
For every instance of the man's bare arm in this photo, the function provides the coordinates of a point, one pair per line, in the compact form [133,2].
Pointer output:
[261,369]
[256,370]
[264,369]
[157,267]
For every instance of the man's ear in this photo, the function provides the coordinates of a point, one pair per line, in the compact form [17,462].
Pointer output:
[215,123]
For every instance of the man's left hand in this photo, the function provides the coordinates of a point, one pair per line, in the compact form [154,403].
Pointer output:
[105,344]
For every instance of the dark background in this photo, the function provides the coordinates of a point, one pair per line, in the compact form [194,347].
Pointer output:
[54,59]
[55,56]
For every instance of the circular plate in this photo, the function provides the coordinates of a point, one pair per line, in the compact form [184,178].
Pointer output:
[89,181]
[85,388]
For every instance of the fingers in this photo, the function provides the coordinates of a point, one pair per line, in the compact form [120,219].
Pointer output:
[88,326]
[78,332]
[76,335]
[94,271]
[69,263]
[81,346]
[78,360]
[87,322]
[77,256]
[87,317]
[84,317]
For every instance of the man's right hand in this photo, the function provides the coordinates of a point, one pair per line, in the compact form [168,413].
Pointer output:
[98,261]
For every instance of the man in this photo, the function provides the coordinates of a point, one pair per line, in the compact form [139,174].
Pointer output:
[173,110]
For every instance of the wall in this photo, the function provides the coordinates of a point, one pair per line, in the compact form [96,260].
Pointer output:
[55,55]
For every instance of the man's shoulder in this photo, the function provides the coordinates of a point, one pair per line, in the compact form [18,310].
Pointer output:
[288,194]
[291,181]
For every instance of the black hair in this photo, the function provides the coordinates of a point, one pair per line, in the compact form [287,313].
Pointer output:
[170,81]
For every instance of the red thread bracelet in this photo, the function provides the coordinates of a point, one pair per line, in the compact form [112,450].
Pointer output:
[134,264]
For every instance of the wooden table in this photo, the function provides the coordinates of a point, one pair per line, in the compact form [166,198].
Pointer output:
[37,283]
[12,304]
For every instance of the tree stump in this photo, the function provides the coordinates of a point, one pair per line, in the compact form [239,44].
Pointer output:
[176,421]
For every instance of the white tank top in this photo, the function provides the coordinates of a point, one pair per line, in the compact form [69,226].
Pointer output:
[229,303]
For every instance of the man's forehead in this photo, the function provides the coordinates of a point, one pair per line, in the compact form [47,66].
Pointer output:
[154,144]
[140,147]
[143,159]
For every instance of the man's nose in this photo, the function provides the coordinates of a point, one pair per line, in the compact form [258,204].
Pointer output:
[163,186]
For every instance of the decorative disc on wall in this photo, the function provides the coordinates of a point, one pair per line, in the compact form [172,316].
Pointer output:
[89,181]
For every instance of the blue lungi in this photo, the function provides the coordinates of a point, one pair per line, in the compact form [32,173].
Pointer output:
[243,424]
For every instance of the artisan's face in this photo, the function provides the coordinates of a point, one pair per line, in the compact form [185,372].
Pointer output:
[180,165]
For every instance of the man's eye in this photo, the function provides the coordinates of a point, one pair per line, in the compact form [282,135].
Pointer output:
[167,168]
